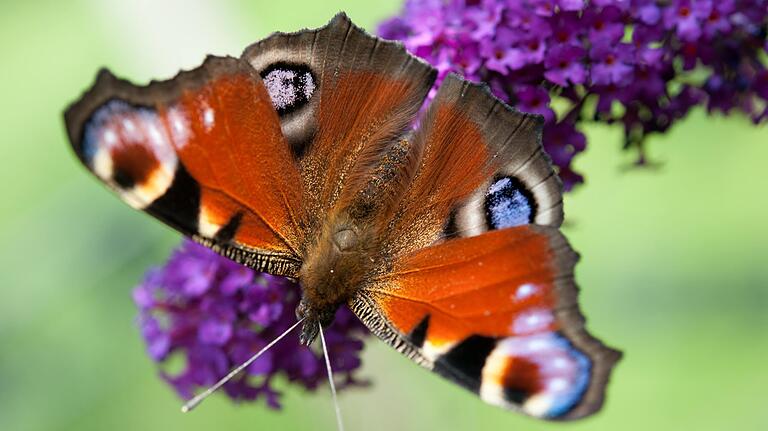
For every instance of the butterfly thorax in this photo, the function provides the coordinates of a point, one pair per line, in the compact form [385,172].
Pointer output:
[347,248]
[334,268]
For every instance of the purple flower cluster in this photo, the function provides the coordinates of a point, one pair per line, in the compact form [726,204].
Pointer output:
[641,63]
[207,314]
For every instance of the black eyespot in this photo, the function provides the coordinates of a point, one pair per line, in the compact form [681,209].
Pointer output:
[290,86]
[123,179]
[508,203]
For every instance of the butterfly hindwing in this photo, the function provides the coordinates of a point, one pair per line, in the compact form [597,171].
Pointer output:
[476,282]
[497,314]
[202,152]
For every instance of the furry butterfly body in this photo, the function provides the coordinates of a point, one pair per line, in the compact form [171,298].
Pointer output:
[299,159]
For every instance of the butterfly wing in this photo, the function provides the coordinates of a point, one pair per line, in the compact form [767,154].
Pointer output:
[477,283]
[497,314]
[248,156]
[481,167]
[368,92]
[202,152]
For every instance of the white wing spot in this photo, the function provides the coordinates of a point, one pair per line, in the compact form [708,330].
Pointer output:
[532,321]
[179,127]
[560,363]
[557,385]
[498,185]
[537,344]
[110,137]
[129,126]
[155,136]
[208,119]
[524,291]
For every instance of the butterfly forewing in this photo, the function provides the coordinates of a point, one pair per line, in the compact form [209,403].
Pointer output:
[203,152]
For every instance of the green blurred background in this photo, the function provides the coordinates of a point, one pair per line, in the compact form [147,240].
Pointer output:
[674,269]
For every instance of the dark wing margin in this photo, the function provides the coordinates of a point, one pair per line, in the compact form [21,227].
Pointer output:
[202,152]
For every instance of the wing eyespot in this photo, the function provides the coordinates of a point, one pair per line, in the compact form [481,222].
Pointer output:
[508,203]
[291,86]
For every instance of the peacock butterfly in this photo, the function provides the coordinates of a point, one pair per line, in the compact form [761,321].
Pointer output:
[299,159]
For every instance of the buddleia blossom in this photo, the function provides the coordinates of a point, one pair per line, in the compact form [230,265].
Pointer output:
[202,315]
[642,64]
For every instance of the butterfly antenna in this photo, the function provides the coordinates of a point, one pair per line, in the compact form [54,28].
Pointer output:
[339,423]
[191,404]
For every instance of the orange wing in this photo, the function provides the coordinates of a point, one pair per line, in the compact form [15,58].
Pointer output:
[497,314]
[481,167]
[249,156]
[203,152]
[367,93]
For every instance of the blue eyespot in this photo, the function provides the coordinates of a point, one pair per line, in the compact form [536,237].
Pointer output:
[93,133]
[564,401]
[508,203]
